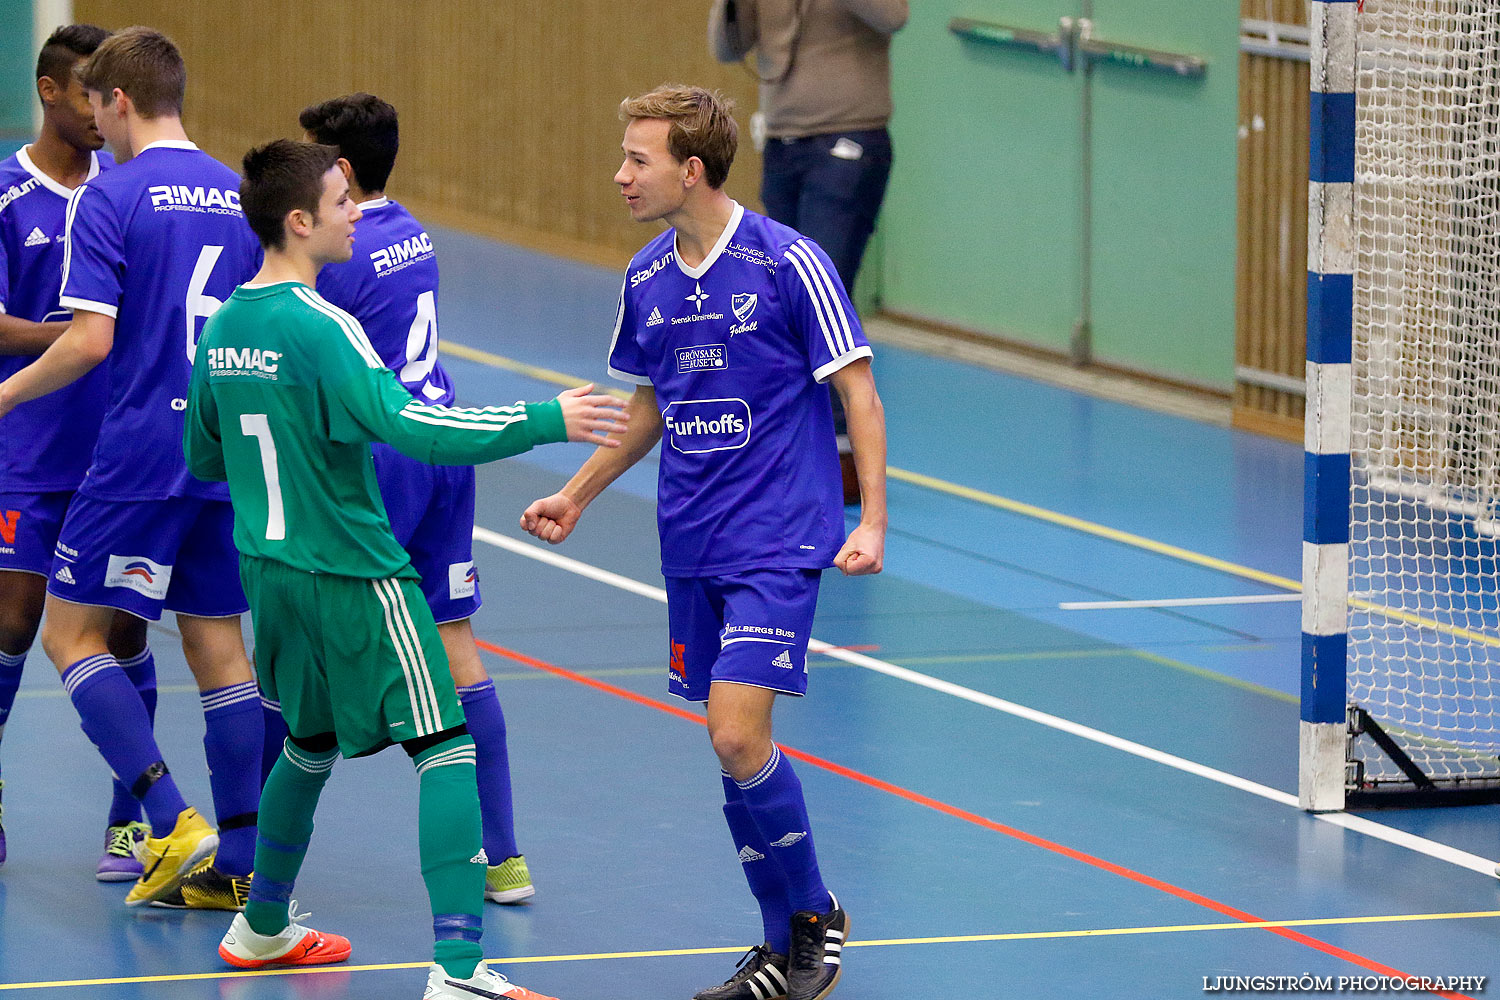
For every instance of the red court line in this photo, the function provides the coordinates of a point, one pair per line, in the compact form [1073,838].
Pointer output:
[978,820]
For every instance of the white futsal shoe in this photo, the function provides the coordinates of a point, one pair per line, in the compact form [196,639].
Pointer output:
[483,984]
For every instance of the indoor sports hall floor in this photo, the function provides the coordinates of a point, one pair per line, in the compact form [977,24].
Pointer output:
[1011,799]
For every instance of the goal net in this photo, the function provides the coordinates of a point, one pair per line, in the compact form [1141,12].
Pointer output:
[1423,667]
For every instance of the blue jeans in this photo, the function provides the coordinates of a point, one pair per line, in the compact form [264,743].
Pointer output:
[830,198]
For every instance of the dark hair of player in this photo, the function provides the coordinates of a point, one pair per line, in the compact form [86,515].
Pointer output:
[66,46]
[144,64]
[279,177]
[363,127]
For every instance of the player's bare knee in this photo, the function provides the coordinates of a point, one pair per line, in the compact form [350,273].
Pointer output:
[214,650]
[127,636]
[17,629]
[741,749]
[21,598]
[62,642]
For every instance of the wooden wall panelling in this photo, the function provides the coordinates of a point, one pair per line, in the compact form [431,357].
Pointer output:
[1271,305]
[508,110]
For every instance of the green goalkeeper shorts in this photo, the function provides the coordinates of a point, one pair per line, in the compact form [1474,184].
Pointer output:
[355,657]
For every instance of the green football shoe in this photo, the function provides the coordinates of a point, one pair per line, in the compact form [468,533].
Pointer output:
[509,882]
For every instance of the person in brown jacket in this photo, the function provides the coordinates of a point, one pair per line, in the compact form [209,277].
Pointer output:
[825,100]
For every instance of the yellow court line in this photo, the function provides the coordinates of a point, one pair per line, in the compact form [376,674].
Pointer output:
[688,952]
[1090,528]
[1025,509]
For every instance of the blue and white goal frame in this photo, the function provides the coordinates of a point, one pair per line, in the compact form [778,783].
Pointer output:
[1330,322]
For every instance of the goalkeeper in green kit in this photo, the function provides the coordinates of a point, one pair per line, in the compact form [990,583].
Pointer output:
[286,396]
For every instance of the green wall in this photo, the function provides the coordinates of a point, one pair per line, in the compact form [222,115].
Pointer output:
[17,63]
[982,225]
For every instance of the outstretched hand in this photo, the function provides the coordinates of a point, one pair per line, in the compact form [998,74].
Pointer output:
[551,518]
[590,416]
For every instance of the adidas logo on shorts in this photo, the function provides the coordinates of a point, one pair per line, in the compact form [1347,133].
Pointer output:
[480,859]
[789,839]
[37,238]
[65,575]
[749,854]
[783,660]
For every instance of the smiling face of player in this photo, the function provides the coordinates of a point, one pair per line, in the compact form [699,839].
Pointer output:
[655,183]
[331,238]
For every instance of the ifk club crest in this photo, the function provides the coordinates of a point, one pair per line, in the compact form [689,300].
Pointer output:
[743,305]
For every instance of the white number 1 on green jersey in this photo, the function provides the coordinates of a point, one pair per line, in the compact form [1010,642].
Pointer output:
[255,425]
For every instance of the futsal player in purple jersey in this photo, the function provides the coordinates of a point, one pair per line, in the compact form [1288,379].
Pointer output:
[45,445]
[390,285]
[153,247]
[730,325]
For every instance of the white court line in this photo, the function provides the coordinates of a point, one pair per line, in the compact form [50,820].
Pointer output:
[1399,838]
[1182,602]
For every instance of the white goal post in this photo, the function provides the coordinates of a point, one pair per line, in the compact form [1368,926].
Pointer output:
[1401,584]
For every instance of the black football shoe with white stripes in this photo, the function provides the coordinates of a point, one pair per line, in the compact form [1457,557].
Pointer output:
[816,961]
[761,975]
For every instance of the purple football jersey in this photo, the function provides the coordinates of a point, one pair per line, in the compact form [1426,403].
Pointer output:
[390,285]
[738,350]
[45,445]
[158,243]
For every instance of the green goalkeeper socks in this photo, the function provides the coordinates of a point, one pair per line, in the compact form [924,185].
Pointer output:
[453,863]
[286,822]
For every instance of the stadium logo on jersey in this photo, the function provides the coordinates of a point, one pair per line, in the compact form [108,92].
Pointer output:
[139,574]
[463,578]
[38,238]
[743,305]
[703,357]
[399,255]
[12,193]
[244,361]
[180,198]
[646,272]
[8,523]
[655,319]
[698,297]
[696,426]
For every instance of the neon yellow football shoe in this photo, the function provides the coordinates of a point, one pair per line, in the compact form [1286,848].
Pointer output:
[166,861]
[508,882]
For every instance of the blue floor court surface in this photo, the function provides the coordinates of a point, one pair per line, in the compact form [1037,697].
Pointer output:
[1012,799]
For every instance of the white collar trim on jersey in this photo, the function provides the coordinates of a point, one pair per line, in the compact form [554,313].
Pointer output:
[168,144]
[697,272]
[374,203]
[23,157]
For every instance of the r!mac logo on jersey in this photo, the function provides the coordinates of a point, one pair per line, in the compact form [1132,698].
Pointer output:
[398,255]
[139,574]
[244,361]
[198,199]
[694,426]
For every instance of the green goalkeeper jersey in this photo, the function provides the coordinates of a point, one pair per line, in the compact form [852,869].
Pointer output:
[287,395]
